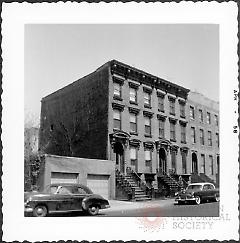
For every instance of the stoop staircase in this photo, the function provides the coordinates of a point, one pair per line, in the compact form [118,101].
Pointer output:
[132,185]
[170,183]
[140,195]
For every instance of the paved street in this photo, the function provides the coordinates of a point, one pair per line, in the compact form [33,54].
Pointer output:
[160,208]
[154,208]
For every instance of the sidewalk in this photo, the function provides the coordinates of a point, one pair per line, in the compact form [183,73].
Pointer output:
[117,205]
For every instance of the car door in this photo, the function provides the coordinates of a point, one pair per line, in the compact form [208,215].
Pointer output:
[205,192]
[211,191]
[79,194]
[64,199]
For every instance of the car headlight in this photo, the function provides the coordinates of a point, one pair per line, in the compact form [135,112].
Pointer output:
[176,194]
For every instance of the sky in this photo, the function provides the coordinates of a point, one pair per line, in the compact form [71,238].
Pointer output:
[56,55]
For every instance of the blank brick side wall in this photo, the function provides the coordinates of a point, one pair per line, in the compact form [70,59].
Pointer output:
[74,119]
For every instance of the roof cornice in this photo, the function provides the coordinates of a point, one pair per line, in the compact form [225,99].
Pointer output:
[138,75]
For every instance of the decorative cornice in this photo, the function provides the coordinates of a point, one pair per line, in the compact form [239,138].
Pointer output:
[161,94]
[140,76]
[181,101]
[148,145]
[173,120]
[118,80]
[184,123]
[133,85]
[184,149]
[118,106]
[161,117]
[135,142]
[174,147]
[170,97]
[147,89]
[133,110]
[147,113]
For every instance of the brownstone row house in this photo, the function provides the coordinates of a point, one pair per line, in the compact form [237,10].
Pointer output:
[143,123]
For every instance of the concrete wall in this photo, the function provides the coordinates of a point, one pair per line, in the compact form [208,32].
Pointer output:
[81,166]
[74,118]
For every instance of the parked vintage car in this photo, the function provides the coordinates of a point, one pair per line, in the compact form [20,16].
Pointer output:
[63,198]
[197,193]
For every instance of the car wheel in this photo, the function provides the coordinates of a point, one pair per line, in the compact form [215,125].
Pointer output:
[93,210]
[197,200]
[216,198]
[40,211]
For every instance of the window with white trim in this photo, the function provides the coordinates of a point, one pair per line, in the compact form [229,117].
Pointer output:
[117,119]
[133,122]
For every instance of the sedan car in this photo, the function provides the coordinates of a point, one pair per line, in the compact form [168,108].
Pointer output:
[198,192]
[60,198]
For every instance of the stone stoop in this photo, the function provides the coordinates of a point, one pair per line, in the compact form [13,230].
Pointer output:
[140,195]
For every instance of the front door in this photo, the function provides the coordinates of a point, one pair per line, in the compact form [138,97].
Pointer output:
[119,152]
[194,164]
[162,161]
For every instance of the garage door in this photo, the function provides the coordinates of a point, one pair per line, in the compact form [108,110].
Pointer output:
[59,177]
[99,184]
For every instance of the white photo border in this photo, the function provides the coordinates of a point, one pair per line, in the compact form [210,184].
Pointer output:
[15,16]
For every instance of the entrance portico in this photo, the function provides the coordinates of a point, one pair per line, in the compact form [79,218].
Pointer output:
[119,142]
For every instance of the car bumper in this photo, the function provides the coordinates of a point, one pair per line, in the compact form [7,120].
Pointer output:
[185,199]
[28,209]
[105,206]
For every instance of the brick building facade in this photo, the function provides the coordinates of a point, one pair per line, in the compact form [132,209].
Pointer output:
[126,115]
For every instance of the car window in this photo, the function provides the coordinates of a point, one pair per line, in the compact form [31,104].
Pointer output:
[194,187]
[82,191]
[210,187]
[53,189]
[64,190]
[205,187]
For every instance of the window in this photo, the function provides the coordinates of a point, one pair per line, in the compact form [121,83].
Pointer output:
[201,137]
[117,119]
[117,90]
[184,163]
[182,109]
[200,115]
[133,95]
[133,155]
[192,115]
[147,121]
[211,164]
[183,133]
[161,103]
[172,131]
[193,135]
[161,128]
[202,163]
[53,189]
[216,120]
[217,139]
[147,99]
[172,106]
[64,190]
[81,191]
[133,123]
[173,158]
[208,118]
[148,157]
[209,138]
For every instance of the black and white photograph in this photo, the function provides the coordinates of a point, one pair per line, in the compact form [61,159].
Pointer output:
[124,122]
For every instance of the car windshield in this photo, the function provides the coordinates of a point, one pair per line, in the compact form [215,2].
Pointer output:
[194,187]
